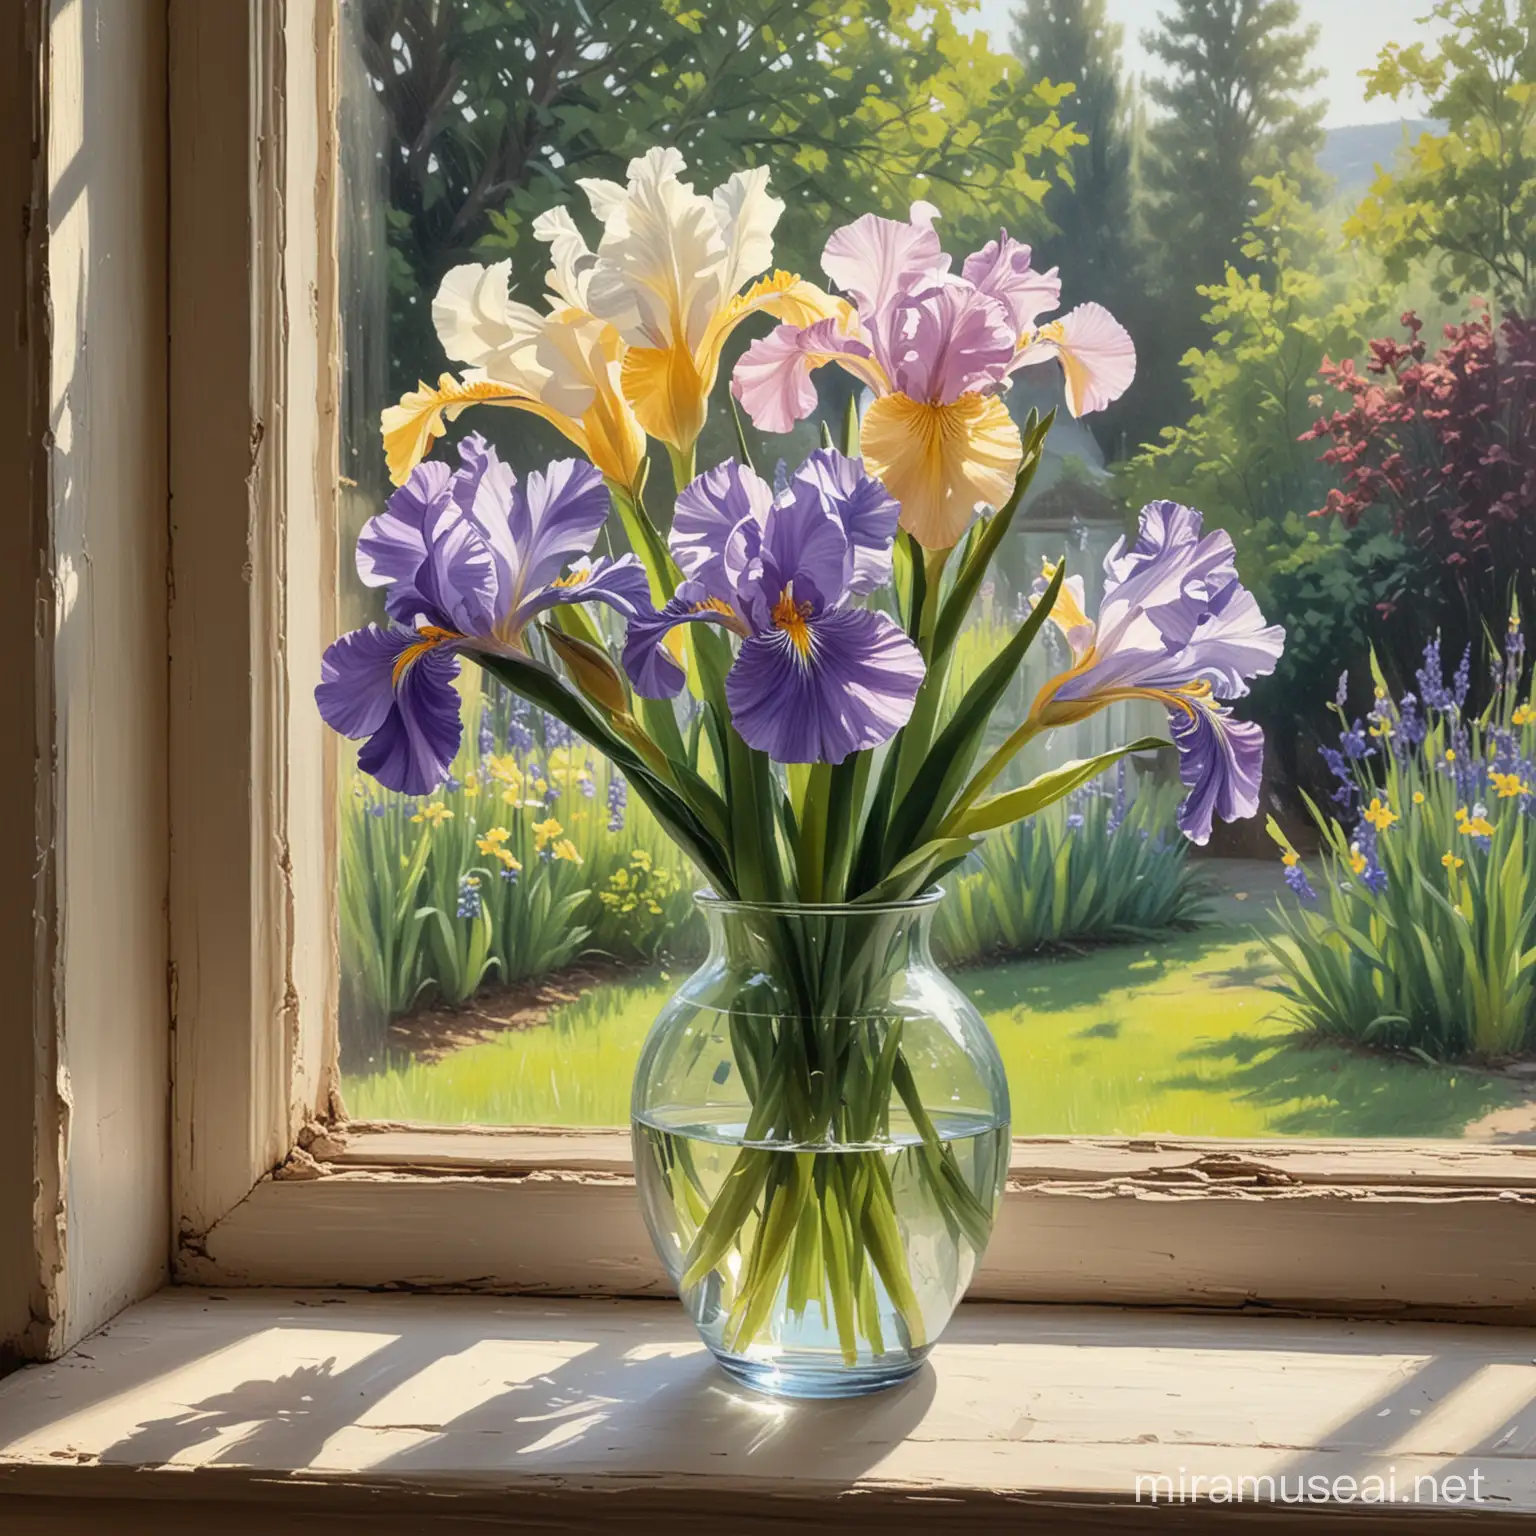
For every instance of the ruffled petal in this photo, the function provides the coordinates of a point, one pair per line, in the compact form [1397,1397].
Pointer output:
[413,750]
[391,686]
[874,259]
[747,214]
[707,511]
[1097,356]
[942,462]
[772,379]
[938,344]
[653,672]
[1221,762]
[619,584]
[1002,268]
[866,510]
[392,545]
[479,323]
[802,556]
[567,505]
[848,685]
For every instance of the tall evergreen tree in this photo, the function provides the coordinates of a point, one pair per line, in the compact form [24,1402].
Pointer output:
[1230,105]
[1073,41]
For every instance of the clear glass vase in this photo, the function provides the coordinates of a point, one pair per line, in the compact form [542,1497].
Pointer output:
[820,1124]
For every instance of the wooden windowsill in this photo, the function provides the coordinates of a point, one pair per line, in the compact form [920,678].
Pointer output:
[241,1412]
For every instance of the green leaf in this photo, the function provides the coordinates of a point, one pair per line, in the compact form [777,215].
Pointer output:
[1000,810]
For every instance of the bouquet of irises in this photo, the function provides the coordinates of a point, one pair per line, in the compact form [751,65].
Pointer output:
[804,616]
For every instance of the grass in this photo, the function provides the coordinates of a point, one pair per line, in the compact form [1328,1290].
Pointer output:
[1181,1037]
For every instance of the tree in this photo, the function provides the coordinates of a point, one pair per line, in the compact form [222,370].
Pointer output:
[1073,42]
[494,109]
[1467,197]
[1231,109]
[1093,234]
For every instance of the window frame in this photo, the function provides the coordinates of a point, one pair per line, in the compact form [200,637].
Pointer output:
[272,1186]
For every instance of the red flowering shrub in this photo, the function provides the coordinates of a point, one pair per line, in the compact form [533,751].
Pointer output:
[1448,444]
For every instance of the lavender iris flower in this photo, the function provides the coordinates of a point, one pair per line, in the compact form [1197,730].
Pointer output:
[469,558]
[816,678]
[1176,626]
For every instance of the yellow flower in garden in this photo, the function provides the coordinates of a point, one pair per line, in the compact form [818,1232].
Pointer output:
[565,849]
[1290,858]
[1357,860]
[1525,714]
[1450,754]
[1473,826]
[1451,861]
[435,812]
[472,786]
[640,858]
[545,832]
[1418,797]
[1379,814]
[1509,785]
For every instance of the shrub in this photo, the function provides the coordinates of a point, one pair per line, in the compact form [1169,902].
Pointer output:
[1446,445]
[1095,866]
[1424,938]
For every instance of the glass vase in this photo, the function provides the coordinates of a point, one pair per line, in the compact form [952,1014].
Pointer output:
[821,1139]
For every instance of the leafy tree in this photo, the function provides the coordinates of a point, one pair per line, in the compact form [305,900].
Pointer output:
[495,108]
[1240,459]
[1232,109]
[1467,197]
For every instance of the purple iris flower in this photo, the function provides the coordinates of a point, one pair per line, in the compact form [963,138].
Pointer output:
[1176,626]
[816,677]
[469,558]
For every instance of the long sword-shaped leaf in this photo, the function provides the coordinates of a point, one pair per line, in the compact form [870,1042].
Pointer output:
[1016,804]
[948,763]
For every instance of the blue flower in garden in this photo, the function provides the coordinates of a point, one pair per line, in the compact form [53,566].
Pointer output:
[1354,743]
[1075,821]
[1462,682]
[469,559]
[519,737]
[487,737]
[1412,727]
[469,896]
[618,798]
[1431,679]
[816,678]
[1296,878]
[1341,693]
[1178,627]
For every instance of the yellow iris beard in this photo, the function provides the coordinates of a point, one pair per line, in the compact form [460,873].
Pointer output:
[431,638]
[939,461]
[790,616]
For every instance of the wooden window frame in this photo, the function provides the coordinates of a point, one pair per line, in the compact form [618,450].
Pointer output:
[271,1187]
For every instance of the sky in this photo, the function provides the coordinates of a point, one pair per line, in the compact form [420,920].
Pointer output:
[1351,33]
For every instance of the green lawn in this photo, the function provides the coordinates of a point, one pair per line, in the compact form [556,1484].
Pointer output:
[1179,1037]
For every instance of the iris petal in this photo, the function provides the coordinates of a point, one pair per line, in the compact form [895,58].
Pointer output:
[1221,762]
[850,689]
[413,723]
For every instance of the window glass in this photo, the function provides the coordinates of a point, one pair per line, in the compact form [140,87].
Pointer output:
[1314,222]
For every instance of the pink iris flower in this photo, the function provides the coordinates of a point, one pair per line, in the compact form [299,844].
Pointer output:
[936,350]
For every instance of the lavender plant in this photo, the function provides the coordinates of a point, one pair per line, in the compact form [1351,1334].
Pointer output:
[1419,932]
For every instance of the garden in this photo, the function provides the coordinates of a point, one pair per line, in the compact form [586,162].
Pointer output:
[1339,376]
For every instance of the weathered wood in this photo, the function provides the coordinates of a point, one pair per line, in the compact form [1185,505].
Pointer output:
[28,911]
[1428,1251]
[253,478]
[83,1214]
[1174,1160]
[592,1415]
